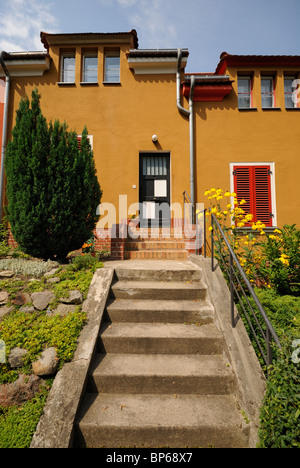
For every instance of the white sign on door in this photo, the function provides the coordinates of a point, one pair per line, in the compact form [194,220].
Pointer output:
[160,188]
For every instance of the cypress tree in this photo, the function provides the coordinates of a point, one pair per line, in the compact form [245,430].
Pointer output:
[52,186]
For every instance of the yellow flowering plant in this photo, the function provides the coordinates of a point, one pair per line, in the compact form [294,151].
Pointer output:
[268,260]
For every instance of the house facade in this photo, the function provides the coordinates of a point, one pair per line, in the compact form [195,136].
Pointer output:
[158,132]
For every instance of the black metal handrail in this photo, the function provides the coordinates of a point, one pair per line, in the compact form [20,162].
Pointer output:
[238,286]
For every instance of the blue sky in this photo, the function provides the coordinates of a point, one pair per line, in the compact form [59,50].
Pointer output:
[205,27]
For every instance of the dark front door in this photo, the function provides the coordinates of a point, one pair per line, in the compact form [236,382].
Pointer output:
[155,189]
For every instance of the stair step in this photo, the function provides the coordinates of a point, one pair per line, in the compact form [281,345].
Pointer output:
[158,338]
[154,421]
[159,271]
[126,310]
[156,254]
[163,374]
[159,290]
[155,245]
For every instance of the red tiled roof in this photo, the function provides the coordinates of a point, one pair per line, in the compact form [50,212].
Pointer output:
[228,60]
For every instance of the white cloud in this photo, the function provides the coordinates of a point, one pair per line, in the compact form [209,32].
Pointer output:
[21,22]
[152,20]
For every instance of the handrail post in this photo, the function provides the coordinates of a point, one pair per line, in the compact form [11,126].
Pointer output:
[212,243]
[231,290]
[269,347]
[204,228]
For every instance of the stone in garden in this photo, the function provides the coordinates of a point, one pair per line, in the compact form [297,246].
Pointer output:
[21,299]
[17,357]
[41,300]
[3,297]
[5,310]
[20,391]
[51,272]
[53,280]
[27,309]
[6,274]
[75,297]
[64,309]
[47,364]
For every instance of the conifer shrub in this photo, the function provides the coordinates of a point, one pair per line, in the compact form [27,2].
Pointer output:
[52,186]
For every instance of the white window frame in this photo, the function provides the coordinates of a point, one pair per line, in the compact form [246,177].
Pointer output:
[90,138]
[108,54]
[250,94]
[63,57]
[89,55]
[272,78]
[272,179]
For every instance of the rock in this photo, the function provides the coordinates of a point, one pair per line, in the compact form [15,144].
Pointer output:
[5,310]
[51,272]
[41,300]
[75,297]
[6,274]
[63,310]
[16,357]
[47,364]
[27,309]
[21,299]
[18,392]
[3,297]
[53,280]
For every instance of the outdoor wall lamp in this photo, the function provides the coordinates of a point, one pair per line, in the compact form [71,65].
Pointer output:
[155,138]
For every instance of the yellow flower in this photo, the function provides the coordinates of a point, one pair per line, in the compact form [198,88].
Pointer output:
[227,194]
[210,228]
[243,202]
[207,193]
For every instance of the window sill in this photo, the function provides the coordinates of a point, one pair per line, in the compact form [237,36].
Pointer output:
[292,109]
[65,83]
[87,83]
[271,108]
[113,83]
[248,109]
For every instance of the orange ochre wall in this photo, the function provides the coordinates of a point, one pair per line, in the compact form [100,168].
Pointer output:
[122,119]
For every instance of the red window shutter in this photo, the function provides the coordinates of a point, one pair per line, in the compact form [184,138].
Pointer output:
[253,184]
[263,201]
[79,142]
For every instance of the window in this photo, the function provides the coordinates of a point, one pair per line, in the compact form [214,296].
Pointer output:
[245,92]
[254,183]
[112,66]
[68,68]
[90,138]
[90,68]
[289,89]
[267,92]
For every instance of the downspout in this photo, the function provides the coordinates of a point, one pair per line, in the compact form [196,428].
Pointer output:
[190,114]
[4,131]
[192,149]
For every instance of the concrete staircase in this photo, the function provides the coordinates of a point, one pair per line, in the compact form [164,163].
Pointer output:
[159,378]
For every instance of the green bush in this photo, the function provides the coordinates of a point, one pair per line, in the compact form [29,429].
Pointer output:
[279,421]
[52,186]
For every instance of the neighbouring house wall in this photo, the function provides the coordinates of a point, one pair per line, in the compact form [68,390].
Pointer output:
[225,134]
